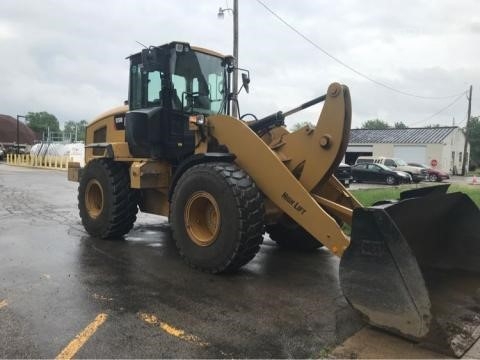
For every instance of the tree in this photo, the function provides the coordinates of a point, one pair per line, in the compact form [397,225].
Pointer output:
[474,139]
[375,124]
[42,122]
[400,125]
[75,130]
[299,125]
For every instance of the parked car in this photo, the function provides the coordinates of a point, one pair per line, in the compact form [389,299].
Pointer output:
[379,173]
[418,173]
[432,174]
[344,174]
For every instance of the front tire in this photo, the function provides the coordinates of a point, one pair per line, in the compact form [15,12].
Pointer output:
[433,178]
[217,217]
[107,204]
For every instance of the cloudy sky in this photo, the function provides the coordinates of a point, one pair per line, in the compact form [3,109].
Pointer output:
[68,57]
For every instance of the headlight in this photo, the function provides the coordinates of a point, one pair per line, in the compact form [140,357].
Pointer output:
[197,119]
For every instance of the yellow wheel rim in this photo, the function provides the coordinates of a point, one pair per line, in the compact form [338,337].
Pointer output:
[94,198]
[202,218]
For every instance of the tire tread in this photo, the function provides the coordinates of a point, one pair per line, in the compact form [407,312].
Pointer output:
[250,215]
[124,200]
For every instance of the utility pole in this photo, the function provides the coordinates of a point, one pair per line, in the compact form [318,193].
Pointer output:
[221,13]
[235,55]
[18,132]
[464,160]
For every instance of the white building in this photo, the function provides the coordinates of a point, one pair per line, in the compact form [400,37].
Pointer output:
[440,147]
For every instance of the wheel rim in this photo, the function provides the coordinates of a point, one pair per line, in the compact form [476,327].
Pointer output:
[94,198]
[202,218]
[433,177]
[390,180]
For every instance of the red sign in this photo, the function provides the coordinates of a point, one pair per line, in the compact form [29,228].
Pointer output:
[433,162]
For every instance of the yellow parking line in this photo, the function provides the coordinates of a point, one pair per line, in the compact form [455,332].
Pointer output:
[153,320]
[3,303]
[75,345]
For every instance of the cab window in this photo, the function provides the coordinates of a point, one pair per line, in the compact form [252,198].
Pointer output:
[215,84]
[180,85]
[154,87]
[135,87]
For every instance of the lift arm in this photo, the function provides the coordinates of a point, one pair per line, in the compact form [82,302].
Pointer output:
[319,151]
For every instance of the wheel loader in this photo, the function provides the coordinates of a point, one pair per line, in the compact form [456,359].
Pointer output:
[410,266]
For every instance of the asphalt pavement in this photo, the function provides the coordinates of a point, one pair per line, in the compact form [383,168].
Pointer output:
[65,294]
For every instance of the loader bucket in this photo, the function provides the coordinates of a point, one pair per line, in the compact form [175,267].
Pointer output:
[413,268]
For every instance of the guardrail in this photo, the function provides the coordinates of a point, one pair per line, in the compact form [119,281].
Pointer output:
[44,162]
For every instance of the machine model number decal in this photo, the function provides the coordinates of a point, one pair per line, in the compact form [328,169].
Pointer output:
[295,204]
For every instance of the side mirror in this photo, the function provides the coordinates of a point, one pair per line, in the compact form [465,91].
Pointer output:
[245,81]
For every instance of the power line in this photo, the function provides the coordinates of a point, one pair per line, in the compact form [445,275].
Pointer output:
[441,110]
[379,83]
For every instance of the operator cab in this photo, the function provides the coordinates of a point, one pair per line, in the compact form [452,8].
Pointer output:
[180,77]
[169,83]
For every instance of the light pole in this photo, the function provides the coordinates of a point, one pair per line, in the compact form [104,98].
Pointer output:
[221,13]
[467,134]
[18,132]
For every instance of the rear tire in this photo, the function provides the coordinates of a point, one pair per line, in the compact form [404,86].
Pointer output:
[390,180]
[290,235]
[107,204]
[217,217]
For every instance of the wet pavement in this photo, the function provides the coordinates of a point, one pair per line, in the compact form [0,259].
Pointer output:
[61,290]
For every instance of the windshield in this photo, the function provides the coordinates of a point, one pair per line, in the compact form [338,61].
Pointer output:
[182,79]
[198,80]
[400,162]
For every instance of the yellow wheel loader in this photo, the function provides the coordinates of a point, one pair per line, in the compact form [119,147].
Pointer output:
[410,266]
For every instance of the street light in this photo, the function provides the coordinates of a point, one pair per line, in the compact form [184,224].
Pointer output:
[221,12]
[18,132]
[220,15]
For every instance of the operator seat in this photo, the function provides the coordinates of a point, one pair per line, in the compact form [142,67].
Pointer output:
[176,102]
[202,101]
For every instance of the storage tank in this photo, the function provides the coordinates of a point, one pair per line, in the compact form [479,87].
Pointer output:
[75,152]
